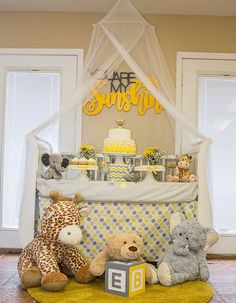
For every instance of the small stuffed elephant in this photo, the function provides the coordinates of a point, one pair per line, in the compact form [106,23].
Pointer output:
[57,165]
[186,258]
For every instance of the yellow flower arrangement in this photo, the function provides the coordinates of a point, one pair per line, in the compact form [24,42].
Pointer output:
[153,154]
[87,151]
[87,147]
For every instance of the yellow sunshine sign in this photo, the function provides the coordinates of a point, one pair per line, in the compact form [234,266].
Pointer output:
[135,95]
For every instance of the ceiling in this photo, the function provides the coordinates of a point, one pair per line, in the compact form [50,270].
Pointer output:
[180,7]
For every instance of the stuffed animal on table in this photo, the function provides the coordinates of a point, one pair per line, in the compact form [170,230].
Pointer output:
[186,258]
[182,172]
[39,261]
[122,247]
[56,165]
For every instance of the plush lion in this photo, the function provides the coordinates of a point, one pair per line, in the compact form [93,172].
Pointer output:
[182,172]
[39,261]
[122,247]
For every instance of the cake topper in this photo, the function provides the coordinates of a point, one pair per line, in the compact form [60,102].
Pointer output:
[120,123]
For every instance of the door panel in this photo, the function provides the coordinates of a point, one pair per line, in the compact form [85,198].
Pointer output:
[32,88]
[212,110]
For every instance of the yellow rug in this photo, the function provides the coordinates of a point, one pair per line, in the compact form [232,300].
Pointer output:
[188,292]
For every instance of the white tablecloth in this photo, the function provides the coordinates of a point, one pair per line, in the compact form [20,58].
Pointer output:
[121,191]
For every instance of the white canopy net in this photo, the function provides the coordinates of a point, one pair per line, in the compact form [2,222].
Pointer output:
[123,36]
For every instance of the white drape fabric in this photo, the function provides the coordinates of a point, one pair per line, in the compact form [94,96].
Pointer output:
[124,36]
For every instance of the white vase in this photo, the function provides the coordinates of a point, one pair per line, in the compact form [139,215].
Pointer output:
[149,177]
[83,176]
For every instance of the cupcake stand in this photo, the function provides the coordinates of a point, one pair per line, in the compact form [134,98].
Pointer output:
[150,169]
[79,172]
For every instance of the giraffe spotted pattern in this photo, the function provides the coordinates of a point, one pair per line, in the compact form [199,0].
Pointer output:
[46,251]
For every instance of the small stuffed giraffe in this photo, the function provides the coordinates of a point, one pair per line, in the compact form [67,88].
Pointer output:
[39,261]
[182,172]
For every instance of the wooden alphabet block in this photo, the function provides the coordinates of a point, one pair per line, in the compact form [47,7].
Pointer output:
[125,278]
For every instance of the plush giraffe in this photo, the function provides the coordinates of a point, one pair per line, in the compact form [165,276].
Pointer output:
[39,261]
[182,172]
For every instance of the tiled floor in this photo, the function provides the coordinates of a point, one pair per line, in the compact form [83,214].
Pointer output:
[223,279]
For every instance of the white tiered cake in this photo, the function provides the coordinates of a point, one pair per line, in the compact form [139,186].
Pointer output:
[119,141]
[119,144]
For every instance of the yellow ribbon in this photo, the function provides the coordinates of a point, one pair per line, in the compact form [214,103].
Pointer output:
[152,168]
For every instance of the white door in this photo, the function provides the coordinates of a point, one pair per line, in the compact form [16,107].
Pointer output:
[208,97]
[34,84]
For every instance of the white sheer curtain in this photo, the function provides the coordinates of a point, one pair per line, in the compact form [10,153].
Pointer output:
[123,35]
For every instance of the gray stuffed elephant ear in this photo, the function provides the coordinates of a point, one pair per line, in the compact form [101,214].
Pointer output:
[211,238]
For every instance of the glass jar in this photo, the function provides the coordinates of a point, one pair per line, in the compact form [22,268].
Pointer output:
[170,164]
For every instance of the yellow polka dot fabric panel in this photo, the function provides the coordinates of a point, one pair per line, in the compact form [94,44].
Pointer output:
[149,220]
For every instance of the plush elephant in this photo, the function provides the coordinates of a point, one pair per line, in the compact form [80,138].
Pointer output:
[57,165]
[186,258]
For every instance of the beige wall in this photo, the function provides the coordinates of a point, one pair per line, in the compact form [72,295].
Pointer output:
[73,30]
